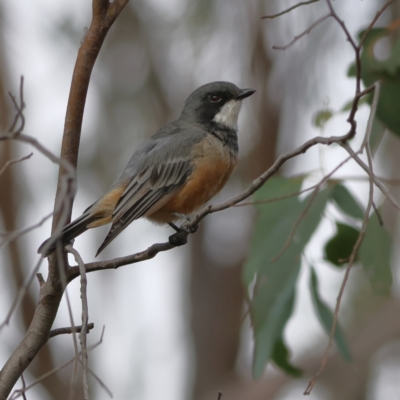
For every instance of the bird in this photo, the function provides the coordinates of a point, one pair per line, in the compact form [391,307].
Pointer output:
[173,173]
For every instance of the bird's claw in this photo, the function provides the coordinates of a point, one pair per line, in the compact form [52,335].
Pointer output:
[178,238]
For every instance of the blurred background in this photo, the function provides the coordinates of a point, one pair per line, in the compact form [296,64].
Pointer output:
[175,326]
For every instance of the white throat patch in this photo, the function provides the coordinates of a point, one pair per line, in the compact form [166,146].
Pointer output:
[229,113]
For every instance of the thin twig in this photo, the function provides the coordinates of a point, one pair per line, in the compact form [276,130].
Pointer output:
[376,180]
[304,33]
[21,293]
[373,22]
[69,330]
[19,108]
[85,318]
[342,287]
[100,382]
[18,160]
[303,3]
[378,214]
[55,370]
[275,199]
[11,236]
[307,207]
[352,258]
[61,267]
[23,390]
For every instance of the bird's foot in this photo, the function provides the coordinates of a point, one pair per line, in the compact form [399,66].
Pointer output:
[187,228]
[178,238]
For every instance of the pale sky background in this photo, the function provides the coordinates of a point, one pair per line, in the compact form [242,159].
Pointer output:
[146,351]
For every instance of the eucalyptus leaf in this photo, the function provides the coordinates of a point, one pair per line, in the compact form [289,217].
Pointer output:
[339,248]
[387,72]
[325,316]
[280,356]
[375,251]
[346,202]
[274,264]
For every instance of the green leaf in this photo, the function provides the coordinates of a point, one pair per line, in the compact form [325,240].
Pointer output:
[377,132]
[346,202]
[268,331]
[270,215]
[280,356]
[325,316]
[374,254]
[322,117]
[388,72]
[338,249]
[276,277]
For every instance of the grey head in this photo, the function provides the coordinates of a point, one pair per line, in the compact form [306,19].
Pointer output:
[215,103]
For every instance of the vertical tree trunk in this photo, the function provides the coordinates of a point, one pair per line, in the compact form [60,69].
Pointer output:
[9,206]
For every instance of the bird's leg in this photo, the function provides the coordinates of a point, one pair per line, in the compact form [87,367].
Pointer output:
[180,237]
[174,227]
[184,227]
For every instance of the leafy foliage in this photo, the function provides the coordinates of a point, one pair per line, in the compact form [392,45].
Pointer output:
[388,72]
[325,316]
[375,252]
[338,249]
[276,271]
[346,202]
[280,356]
[283,230]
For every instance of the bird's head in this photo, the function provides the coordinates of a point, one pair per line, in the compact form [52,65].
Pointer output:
[218,102]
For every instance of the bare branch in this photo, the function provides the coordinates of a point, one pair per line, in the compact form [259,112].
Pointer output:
[353,255]
[11,236]
[20,108]
[85,318]
[18,160]
[376,180]
[101,383]
[373,22]
[303,3]
[304,33]
[275,199]
[69,330]
[23,386]
[17,393]
[21,293]
[104,14]
[147,254]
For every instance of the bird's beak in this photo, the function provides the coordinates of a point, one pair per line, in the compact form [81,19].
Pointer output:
[244,93]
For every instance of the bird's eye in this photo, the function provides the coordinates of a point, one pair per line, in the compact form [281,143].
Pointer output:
[215,98]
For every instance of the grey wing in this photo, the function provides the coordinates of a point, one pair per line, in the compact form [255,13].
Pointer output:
[163,170]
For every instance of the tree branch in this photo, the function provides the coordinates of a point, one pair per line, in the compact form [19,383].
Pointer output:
[69,330]
[18,160]
[303,3]
[104,15]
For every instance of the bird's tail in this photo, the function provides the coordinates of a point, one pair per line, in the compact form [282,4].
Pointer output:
[69,232]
